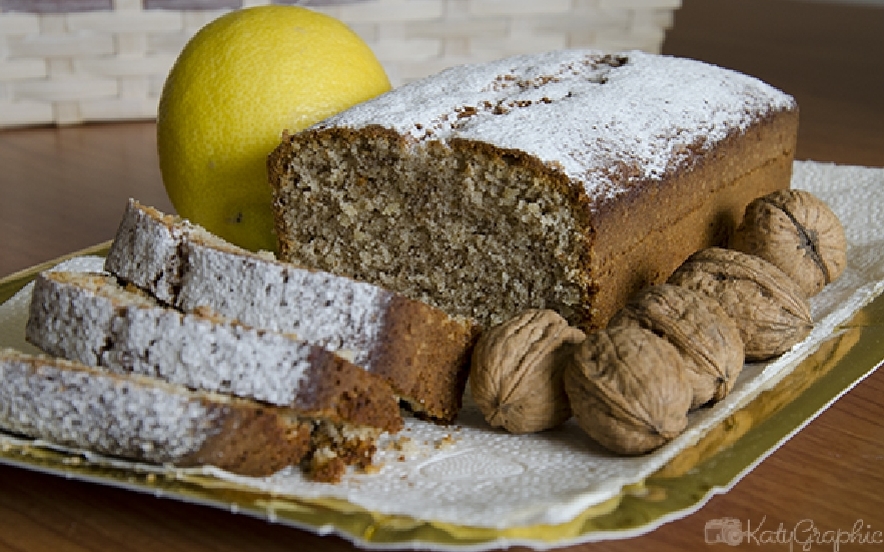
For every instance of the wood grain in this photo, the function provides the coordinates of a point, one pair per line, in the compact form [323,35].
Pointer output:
[62,189]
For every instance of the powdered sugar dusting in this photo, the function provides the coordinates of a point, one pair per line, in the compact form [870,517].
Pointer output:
[339,314]
[149,251]
[209,355]
[77,406]
[336,313]
[633,115]
[98,323]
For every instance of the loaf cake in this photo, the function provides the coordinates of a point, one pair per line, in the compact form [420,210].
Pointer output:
[89,318]
[145,419]
[566,180]
[419,350]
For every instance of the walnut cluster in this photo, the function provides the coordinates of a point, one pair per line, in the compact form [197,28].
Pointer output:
[673,347]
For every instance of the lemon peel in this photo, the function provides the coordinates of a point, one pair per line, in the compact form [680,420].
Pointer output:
[239,82]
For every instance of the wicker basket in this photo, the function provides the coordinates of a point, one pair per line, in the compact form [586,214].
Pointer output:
[103,60]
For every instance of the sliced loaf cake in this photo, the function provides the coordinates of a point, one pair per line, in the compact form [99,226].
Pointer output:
[419,350]
[91,319]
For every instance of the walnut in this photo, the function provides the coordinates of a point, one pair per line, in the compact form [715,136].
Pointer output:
[707,338]
[516,373]
[797,232]
[628,389]
[769,308]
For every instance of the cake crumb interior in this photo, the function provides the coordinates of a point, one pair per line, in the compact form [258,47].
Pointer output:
[477,235]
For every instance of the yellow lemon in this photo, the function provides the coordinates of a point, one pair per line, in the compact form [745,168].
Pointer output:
[237,84]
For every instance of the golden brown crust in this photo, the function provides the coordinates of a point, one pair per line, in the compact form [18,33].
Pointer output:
[253,440]
[698,208]
[348,394]
[428,362]
[147,419]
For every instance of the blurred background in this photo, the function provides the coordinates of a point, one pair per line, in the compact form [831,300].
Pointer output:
[74,61]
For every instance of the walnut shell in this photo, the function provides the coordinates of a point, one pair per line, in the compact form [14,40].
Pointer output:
[707,338]
[797,232]
[628,389]
[516,373]
[769,308]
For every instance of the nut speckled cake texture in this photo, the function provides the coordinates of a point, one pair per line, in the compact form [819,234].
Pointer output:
[565,180]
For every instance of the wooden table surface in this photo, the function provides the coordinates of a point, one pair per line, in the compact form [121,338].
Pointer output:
[63,189]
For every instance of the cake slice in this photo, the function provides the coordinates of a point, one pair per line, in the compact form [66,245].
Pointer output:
[420,351]
[145,419]
[566,180]
[90,319]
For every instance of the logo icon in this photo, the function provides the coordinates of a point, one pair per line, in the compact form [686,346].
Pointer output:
[726,530]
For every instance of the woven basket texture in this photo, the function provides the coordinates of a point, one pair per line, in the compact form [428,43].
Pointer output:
[74,61]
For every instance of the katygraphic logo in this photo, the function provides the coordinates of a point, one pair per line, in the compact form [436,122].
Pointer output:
[726,530]
[804,535]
